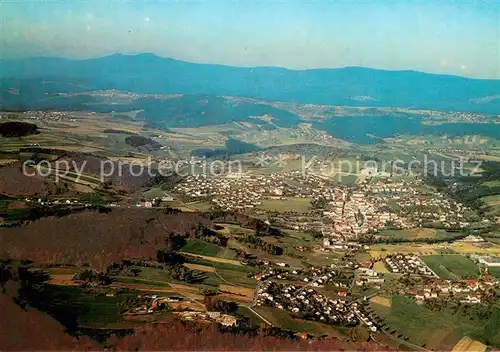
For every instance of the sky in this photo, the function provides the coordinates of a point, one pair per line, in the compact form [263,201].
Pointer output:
[452,37]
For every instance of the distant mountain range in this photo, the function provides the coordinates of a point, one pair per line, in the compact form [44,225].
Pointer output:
[148,73]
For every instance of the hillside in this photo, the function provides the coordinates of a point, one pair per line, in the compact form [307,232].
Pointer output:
[148,73]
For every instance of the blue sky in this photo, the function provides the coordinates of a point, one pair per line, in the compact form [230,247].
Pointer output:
[456,37]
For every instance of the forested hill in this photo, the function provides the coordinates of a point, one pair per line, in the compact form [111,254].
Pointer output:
[148,73]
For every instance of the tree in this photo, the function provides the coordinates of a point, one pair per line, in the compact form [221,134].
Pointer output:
[182,273]
[176,242]
[225,307]
[5,276]
[169,257]
[134,272]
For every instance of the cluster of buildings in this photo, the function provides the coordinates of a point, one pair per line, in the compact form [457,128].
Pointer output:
[407,264]
[146,304]
[311,276]
[465,291]
[156,201]
[414,205]
[363,318]
[333,244]
[353,214]
[306,302]
[207,317]
[149,304]
[49,202]
[127,96]
[457,151]
[45,115]
[366,276]
[340,212]
[486,261]
[459,116]
[244,191]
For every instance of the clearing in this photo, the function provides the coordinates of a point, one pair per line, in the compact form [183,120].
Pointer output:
[383,301]
[467,344]
[201,247]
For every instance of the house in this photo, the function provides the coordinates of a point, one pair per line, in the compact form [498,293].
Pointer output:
[376,280]
[174,299]
[490,262]
[227,320]
[166,197]
[214,315]
[302,335]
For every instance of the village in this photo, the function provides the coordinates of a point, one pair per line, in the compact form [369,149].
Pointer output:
[302,299]
[408,264]
[340,212]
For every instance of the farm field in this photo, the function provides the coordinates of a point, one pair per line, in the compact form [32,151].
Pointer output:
[81,308]
[493,202]
[300,205]
[491,183]
[204,268]
[419,233]
[199,206]
[489,157]
[380,267]
[382,250]
[227,253]
[201,247]
[282,318]
[263,255]
[162,279]
[452,266]
[425,328]
[234,229]
[471,248]
[279,317]
[383,301]
[218,263]
[494,271]
[467,344]
[235,278]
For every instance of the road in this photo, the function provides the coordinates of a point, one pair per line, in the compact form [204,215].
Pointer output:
[250,307]
[254,302]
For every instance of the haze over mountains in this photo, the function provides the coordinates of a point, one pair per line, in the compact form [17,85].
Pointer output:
[148,73]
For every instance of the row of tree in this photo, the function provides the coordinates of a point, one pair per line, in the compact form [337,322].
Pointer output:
[257,243]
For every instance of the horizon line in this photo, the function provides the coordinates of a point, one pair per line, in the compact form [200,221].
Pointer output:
[245,66]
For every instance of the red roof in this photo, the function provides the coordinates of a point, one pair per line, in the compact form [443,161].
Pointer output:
[488,277]
[366,264]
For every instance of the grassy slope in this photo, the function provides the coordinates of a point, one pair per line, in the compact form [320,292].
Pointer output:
[452,266]
[422,326]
